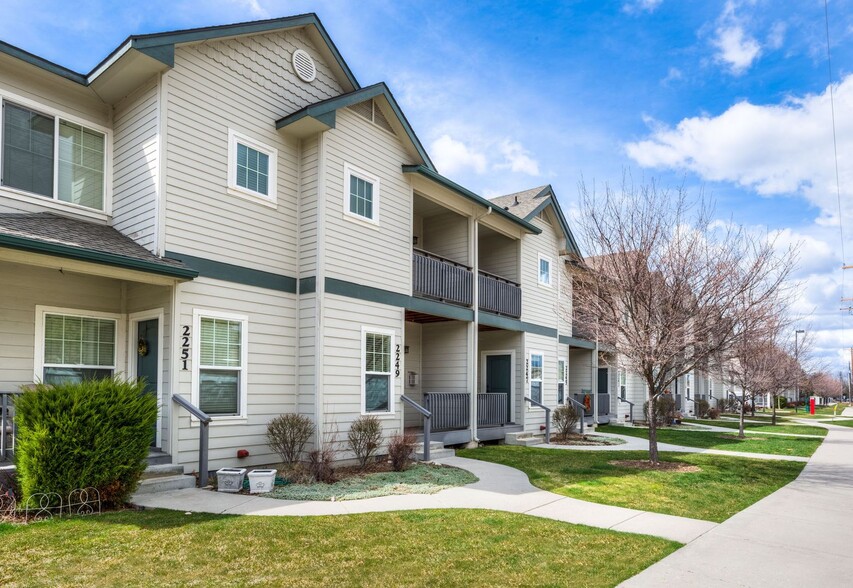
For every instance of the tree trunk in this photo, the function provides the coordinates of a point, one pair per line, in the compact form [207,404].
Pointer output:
[742,414]
[775,402]
[653,432]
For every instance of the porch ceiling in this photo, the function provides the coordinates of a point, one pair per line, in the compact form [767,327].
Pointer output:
[421,317]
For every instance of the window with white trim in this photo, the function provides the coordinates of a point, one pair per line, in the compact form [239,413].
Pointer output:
[623,383]
[562,378]
[710,386]
[77,348]
[252,167]
[377,383]
[220,366]
[536,365]
[361,194]
[687,385]
[545,270]
[52,157]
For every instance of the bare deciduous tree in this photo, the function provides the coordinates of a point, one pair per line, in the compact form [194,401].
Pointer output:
[825,385]
[668,288]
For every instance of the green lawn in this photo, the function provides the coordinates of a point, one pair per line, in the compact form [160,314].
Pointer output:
[842,423]
[723,486]
[783,427]
[417,548]
[800,446]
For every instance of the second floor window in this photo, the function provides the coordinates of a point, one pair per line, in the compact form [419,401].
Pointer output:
[252,169]
[361,194]
[52,157]
[544,270]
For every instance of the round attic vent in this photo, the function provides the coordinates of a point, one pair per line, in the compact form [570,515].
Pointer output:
[304,66]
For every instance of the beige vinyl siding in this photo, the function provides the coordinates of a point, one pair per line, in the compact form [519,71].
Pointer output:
[25,287]
[145,297]
[444,357]
[135,161]
[245,85]
[308,207]
[341,382]
[636,392]
[564,304]
[359,251]
[412,342]
[538,302]
[270,375]
[580,370]
[446,235]
[499,256]
[505,341]
[533,417]
[307,355]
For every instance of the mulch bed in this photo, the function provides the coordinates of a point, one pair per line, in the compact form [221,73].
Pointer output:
[576,439]
[664,466]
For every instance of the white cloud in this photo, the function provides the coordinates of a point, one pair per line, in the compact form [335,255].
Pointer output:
[638,6]
[736,49]
[776,149]
[674,74]
[452,156]
[517,159]
[776,37]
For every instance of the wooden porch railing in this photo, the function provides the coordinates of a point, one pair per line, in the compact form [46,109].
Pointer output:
[436,277]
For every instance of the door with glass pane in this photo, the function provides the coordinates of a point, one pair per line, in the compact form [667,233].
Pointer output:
[147,359]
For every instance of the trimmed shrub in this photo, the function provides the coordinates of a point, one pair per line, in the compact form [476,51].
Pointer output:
[320,464]
[664,410]
[701,407]
[364,437]
[713,413]
[781,402]
[287,435]
[89,434]
[565,420]
[400,451]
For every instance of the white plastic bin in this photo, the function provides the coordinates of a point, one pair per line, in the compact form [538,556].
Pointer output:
[230,479]
[261,481]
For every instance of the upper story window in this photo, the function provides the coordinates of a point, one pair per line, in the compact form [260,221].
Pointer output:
[545,270]
[52,157]
[252,168]
[361,194]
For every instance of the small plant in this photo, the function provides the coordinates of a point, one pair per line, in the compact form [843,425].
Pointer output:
[364,437]
[400,451]
[702,407]
[664,410]
[287,435]
[565,420]
[713,413]
[320,464]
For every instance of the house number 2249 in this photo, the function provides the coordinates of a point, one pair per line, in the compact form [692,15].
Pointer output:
[397,362]
[185,347]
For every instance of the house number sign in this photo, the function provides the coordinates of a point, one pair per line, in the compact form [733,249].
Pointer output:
[527,370]
[397,362]
[185,347]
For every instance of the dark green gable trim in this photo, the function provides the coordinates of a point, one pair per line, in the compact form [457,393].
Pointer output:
[575,342]
[42,63]
[100,257]
[307,285]
[324,111]
[454,187]
[164,54]
[551,200]
[371,294]
[511,324]
[218,270]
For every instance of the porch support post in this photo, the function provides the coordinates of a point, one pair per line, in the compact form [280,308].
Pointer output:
[473,329]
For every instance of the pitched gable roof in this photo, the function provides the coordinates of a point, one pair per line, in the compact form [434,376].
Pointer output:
[528,203]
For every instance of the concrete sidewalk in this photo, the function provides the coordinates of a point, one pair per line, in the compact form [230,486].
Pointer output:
[795,537]
[500,488]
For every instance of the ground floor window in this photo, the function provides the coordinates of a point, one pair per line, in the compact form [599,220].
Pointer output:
[77,347]
[623,383]
[220,360]
[377,394]
[562,374]
[536,363]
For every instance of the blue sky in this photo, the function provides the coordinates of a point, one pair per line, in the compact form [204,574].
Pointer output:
[728,96]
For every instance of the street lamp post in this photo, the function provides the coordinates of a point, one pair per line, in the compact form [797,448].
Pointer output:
[797,361]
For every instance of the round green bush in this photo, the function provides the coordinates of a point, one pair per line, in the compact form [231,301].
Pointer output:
[89,434]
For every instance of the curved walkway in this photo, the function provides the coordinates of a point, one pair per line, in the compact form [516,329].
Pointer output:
[500,488]
[794,537]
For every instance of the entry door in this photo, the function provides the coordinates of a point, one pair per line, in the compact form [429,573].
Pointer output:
[603,387]
[147,360]
[499,378]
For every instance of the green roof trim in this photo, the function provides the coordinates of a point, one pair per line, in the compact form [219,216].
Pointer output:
[371,294]
[576,342]
[93,256]
[324,112]
[218,270]
[511,324]
[453,186]
[551,200]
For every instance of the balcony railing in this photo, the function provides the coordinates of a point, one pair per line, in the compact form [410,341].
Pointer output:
[499,295]
[442,279]
[450,410]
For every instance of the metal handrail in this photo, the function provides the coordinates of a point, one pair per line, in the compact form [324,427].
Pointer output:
[203,436]
[499,278]
[427,417]
[582,411]
[631,404]
[440,258]
[547,417]
[7,424]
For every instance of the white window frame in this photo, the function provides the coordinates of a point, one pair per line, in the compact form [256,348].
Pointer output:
[53,201]
[550,282]
[198,314]
[564,381]
[350,171]
[235,137]
[392,378]
[38,351]
[531,379]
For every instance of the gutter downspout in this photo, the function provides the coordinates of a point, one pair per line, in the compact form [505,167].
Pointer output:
[475,301]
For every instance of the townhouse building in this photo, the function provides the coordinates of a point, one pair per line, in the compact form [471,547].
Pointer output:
[228,213]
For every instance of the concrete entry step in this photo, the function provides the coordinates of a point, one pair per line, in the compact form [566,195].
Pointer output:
[436,451]
[162,470]
[524,439]
[157,456]
[165,483]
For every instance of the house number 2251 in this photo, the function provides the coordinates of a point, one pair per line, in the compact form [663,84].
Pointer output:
[185,347]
